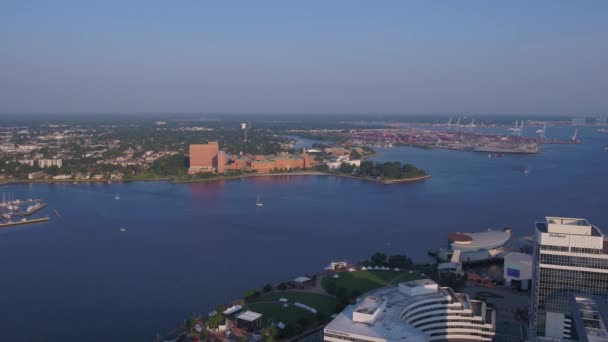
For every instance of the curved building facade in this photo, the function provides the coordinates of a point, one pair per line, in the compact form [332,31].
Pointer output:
[414,311]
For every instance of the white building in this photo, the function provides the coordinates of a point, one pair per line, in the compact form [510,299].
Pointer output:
[417,310]
[518,270]
[475,247]
[570,258]
[42,163]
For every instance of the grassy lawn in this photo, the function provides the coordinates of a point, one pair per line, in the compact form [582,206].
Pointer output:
[297,319]
[364,281]
[275,312]
[324,304]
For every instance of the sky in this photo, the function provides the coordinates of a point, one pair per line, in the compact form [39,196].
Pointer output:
[339,56]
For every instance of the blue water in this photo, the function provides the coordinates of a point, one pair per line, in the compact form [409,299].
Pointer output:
[191,246]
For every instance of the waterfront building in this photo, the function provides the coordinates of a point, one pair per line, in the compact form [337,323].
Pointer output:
[418,310]
[570,258]
[475,247]
[518,270]
[204,157]
[42,163]
[35,175]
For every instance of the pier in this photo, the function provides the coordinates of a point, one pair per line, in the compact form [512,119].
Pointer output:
[24,221]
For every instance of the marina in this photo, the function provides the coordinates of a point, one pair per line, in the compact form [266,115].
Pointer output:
[15,212]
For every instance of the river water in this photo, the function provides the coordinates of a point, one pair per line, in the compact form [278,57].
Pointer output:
[190,246]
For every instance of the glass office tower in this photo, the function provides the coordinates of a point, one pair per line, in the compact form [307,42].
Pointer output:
[570,257]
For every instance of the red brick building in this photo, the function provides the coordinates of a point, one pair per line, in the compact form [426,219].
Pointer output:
[204,157]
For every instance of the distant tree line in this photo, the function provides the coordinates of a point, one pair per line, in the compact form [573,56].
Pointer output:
[388,170]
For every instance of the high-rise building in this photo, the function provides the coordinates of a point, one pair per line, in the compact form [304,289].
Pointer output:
[570,258]
[204,157]
[413,311]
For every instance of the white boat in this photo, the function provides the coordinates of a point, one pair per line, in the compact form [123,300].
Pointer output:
[116,196]
[123,229]
[258,203]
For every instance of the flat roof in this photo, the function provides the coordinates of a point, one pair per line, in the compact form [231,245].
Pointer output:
[519,258]
[249,316]
[388,326]
[369,305]
[578,226]
[418,282]
[232,309]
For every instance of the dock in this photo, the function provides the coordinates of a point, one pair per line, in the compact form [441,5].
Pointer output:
[17,223]
[34,209]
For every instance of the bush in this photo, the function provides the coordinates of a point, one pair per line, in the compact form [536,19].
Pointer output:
[251,294]
[378,258]
[267,288]
[331,287]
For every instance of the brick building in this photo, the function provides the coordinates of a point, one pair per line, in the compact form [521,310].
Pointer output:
[204,157]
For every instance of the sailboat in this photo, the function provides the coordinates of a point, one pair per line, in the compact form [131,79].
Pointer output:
[258,203]
[116,196]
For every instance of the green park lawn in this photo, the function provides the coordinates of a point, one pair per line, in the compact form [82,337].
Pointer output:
[364,281]
[272,310]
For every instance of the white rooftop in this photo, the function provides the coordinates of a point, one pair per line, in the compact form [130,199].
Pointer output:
[249,316]
[569,225]
[232,309]
[388,326]
[488,240]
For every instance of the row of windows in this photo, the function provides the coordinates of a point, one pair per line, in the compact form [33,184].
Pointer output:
[451,321]
[445,310]
[345,338]
[574,261]
[571,249]
[427,304]
[554,248]
[586,250]
[470,334]
[457,327]
[457,314]
[554,286]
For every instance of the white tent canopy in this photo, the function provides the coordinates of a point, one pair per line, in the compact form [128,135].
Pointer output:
[301,280]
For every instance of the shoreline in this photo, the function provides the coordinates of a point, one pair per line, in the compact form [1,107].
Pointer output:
[174,181]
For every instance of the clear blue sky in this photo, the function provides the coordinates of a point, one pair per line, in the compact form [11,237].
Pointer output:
[304,56]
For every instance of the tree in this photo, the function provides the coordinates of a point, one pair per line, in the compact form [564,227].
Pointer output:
[378,258]
[398,260]
[52,170]
[267,288]
[347,168]
[269,334]
[342,296]
[282,286]
[331,287]
[251,294]
[215,320]
[190,323]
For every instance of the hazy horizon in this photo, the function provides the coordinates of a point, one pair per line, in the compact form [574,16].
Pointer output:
[341,57]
